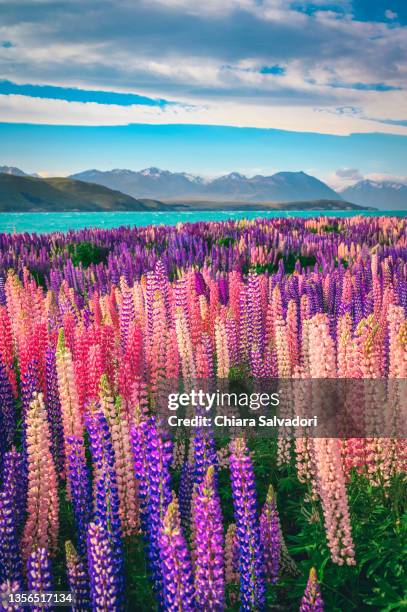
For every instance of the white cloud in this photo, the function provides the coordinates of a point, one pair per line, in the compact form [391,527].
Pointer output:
[346,177]
[208,55]
[390,14]
[382,176]
[22,109]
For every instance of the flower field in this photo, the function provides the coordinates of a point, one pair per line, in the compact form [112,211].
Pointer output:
[97,499]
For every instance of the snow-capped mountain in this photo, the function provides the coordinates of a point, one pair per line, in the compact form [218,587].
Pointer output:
[12,170]
[152,182]
[166,185]
[15,171]
[385,195]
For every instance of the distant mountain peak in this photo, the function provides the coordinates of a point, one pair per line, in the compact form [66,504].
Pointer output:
[385,195]
[12,170]
[235,175]
[153,171]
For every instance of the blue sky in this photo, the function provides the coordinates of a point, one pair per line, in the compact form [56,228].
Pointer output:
[245,85]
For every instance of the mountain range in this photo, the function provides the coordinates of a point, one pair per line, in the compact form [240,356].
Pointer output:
[180,189]
[279,187]
[165,185]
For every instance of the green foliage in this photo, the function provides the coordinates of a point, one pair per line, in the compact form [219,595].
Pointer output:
[226,241]
[87,253]
[39,277]
[289,262]
[327,229]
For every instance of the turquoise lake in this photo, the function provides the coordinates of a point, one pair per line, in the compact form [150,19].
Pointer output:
[63,222]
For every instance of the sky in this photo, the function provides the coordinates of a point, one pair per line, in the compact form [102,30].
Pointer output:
[254,86]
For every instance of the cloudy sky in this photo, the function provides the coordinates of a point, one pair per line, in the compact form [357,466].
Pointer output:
[255,86]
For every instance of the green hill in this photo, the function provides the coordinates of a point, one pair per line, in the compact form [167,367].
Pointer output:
[30,194]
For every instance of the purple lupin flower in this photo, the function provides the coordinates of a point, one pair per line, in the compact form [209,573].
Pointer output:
[10,558]
[255,326]
[78,478]
[312,600]
[159,455]
[7,412]
[106,492]
[231,556]
[126,317]
[15,484]
[252,584]
[208,545]
[204,452]
[105,591]
[3,298]
[53,406]
[78,579]
[270,534]
[7,588]
[39,575]
[178,589]
[185,493]
[138,440]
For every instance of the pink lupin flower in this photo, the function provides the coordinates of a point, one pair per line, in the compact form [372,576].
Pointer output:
[41,527]
[72,421]
[126,484]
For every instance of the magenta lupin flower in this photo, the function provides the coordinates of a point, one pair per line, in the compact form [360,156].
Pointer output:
[178,589]
[312,599]
[270,534]
[208,545]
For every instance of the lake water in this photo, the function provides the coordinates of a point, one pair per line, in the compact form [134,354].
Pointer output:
[62,222]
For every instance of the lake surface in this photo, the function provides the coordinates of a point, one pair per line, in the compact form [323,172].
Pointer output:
[64,221]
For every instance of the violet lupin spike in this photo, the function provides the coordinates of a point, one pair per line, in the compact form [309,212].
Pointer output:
[78,477]
[105,584]
[15,484]
[204,452]
[78,579]
[159,455]
[10,557]
[312,600]
[138,441]
[185,493]
[53,406]
[270,534]
[178,589]
[252,585]
[106,493]
[208,539]
[39,575]
[7,412]
[8,589]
